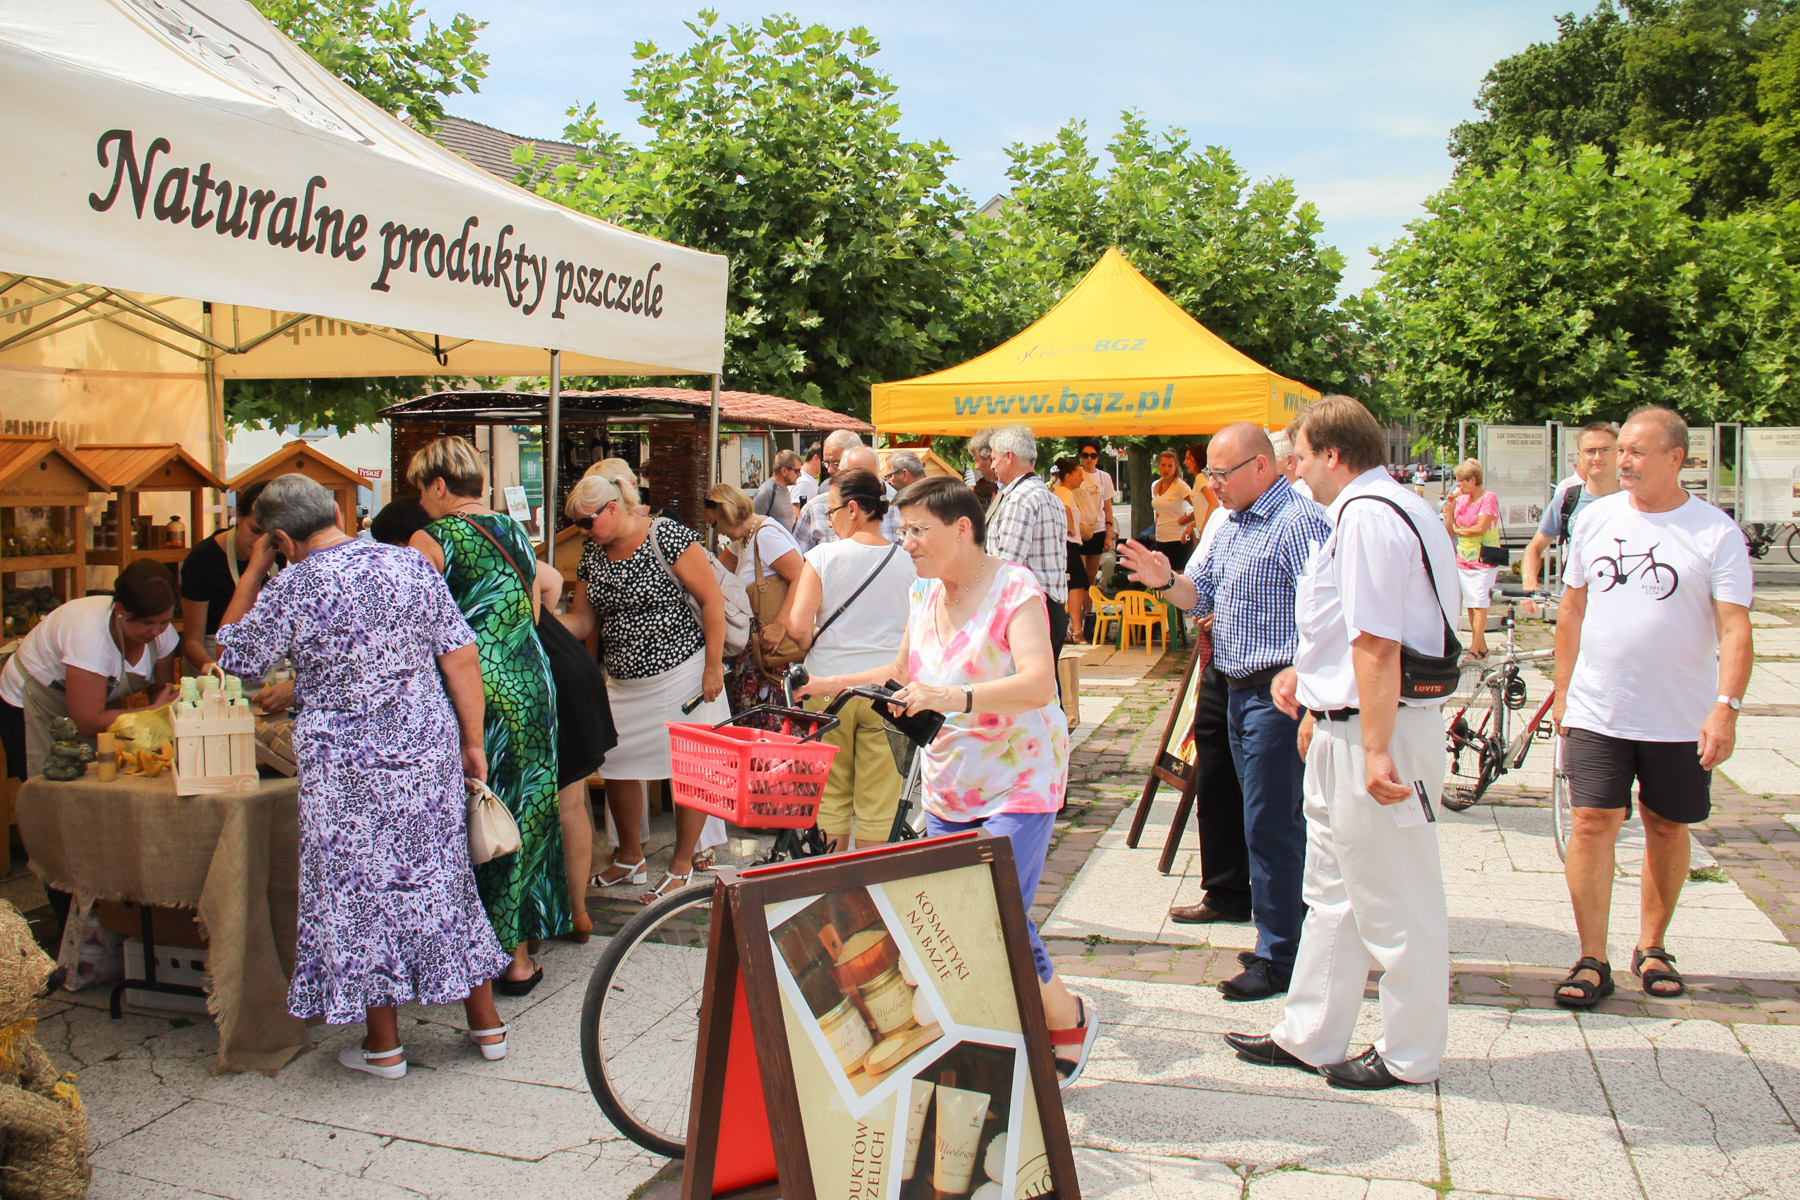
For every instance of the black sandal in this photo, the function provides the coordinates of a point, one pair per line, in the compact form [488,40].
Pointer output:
[1591,993]
[1654,975]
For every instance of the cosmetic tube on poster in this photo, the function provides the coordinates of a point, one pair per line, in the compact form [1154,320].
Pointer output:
[959,1118]
[915,1124]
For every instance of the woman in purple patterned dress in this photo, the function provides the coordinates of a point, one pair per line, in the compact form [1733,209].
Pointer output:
[389,914]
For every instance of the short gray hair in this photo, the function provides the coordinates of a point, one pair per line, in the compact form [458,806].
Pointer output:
[1282,445]
[906,460]
[841,440]
[981,445]
[296,506]
[1015,440]
[1674,428]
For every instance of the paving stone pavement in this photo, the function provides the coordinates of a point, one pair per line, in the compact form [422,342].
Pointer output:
[1640,1099]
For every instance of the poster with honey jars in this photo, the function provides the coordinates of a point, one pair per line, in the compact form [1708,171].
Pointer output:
[906,1040]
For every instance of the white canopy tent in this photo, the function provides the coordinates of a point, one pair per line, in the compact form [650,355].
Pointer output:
[188,197]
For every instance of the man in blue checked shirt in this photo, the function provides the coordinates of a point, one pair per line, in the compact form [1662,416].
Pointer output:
[1247,584]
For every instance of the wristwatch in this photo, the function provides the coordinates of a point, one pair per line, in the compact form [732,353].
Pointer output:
[968,697]
[1731,702]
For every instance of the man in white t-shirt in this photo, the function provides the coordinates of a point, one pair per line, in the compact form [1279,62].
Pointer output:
[806,486]
[1653,653]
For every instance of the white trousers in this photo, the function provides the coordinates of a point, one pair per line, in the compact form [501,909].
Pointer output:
[1375,896]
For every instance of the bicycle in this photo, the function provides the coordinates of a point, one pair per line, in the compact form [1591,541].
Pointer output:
[1760,537]
[640,1019]
[1481,726]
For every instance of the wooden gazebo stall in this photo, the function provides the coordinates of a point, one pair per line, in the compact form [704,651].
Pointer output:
[128,472]
[299,457]
[40,472]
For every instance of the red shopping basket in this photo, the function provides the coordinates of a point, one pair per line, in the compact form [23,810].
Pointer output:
[755,778]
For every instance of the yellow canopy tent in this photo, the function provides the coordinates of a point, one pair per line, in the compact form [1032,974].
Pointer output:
[1115,356]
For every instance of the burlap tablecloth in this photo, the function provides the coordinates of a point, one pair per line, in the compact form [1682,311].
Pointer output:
[233,859]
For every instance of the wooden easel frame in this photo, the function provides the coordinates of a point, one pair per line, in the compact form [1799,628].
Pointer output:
[740,955]
[1164,769]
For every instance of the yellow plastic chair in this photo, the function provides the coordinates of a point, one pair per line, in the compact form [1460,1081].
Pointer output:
[1142,611]
[1104,611]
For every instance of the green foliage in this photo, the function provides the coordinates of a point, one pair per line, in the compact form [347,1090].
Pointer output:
[1683,75]
[1242,258]
[373,48]
[1555,288]
[342,404]
[775,143]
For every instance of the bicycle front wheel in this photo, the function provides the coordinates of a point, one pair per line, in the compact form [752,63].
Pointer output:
[1792,545]
[640,1021]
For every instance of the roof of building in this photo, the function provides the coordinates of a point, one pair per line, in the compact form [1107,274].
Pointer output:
[297,457]
[492,149]
[158,467]
[526,408]
[20,453]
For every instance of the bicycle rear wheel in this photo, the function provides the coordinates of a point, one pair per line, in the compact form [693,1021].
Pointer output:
[1792,545]
[640,1021]
[1476,733]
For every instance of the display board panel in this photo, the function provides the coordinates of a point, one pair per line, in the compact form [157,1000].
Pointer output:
[1771,475]
[1515,463]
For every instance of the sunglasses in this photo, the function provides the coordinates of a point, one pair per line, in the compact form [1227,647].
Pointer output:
[1089,454]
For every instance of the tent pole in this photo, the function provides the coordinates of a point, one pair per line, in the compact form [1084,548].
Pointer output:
[215,415]
[552,443]
[712,443]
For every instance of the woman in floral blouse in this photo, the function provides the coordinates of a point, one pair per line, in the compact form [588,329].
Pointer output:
[977,648]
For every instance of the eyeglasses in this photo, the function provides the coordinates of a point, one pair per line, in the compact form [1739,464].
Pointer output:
[832,512]
[1597,451]
[1213,476]
[913,533]
[587,522]
[833,463]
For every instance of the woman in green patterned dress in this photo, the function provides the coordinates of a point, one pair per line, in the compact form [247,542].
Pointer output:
[485,558]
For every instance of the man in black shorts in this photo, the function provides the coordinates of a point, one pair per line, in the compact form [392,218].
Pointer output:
[1653,653]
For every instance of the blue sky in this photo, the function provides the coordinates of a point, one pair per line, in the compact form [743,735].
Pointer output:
[1353,101]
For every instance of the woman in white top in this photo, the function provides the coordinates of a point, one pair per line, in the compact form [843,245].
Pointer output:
[1069,475]
[845,628]
[82,661]
[767,558]
[1169,500]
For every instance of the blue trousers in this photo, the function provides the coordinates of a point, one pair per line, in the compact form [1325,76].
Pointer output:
[1030,837]
[1271,771]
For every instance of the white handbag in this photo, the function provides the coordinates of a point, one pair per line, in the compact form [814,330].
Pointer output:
[492,831]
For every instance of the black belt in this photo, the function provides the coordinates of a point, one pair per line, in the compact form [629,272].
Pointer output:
[1333,714]
[1254,679]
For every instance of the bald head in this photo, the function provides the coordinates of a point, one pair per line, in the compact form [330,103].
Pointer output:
[1241,464]
[859,457]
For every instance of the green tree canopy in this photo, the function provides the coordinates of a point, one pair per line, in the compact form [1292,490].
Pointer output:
[775,143]
[1242,258]
[1683,74]
[1555,288]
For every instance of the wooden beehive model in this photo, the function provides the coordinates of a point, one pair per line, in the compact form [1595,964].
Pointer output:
[215,736]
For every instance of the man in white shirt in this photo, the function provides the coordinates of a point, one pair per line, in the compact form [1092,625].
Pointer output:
[1597,456]
[1653,652]
[1385,579]
[807,485]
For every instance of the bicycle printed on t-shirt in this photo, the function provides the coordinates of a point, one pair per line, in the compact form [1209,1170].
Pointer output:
[1659,579]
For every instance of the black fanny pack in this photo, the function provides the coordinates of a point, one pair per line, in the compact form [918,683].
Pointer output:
[1424,676]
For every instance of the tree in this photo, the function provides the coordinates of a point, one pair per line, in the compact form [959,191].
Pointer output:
[1244,259]
[1681,74]
[776,144]
[1557,289]
[373,48]
[376,51]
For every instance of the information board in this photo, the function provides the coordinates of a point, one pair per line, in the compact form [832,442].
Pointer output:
[900,1050]
[1771,475]
[1515,463]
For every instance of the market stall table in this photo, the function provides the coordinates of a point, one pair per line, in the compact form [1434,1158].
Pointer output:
[232,858]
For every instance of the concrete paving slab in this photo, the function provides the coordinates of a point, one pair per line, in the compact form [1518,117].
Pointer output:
[1189,1008]
[1762,772]
[1313,1185]
[1775,1049]
[444,1174]
[1118,894]
[1524,1111]
[1125,1176]
[107,1184]
[1352,1138]
[1698,1116]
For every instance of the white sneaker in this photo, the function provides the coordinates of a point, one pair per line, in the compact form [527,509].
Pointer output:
[492,1051]
[358,1059]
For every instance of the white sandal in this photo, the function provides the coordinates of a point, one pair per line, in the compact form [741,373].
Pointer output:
[492,1051]
[669,880]
[358,1059]
[637,873]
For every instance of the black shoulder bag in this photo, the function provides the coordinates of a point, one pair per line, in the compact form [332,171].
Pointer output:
[1424,676]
